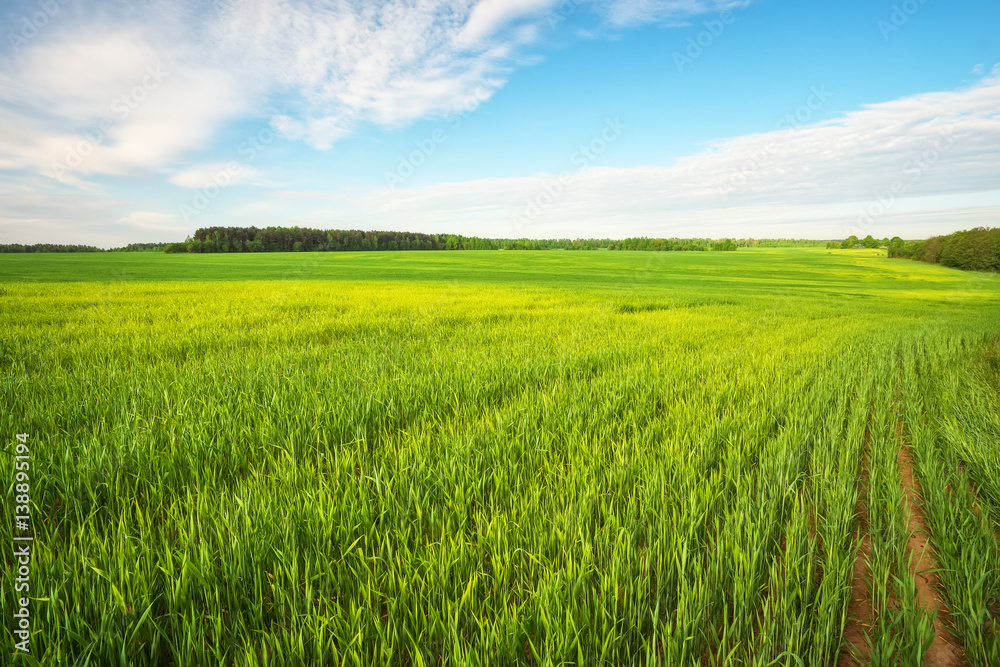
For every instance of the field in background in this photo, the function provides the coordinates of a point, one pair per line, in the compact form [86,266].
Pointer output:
[553,268]
[506,458]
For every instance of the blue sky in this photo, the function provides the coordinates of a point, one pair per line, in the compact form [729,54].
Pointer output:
[126,122]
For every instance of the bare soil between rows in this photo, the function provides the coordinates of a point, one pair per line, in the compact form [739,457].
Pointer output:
[945,650]
[860,613]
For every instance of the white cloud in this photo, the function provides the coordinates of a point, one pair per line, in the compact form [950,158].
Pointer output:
[320,133]
[637,12]
[490,16]
[109,101]
[221,174]
[154,221]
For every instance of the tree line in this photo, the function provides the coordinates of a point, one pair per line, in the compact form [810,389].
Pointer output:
[60,247]
[302,239]
[971,250]
[47,247]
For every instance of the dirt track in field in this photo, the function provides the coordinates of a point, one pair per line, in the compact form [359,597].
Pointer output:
[860,613]
[945,651]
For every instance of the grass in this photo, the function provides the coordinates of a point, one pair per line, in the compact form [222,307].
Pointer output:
[494,458]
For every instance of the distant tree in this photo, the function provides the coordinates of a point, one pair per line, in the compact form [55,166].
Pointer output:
[970,250]
[930,250]
[850,242]
[896,246]
[914,250]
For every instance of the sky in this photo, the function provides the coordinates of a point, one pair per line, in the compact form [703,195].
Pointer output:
[142,121]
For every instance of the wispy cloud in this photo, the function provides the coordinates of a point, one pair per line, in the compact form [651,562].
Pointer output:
[336,65]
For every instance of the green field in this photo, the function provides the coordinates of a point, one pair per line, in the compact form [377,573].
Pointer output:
[500,458]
